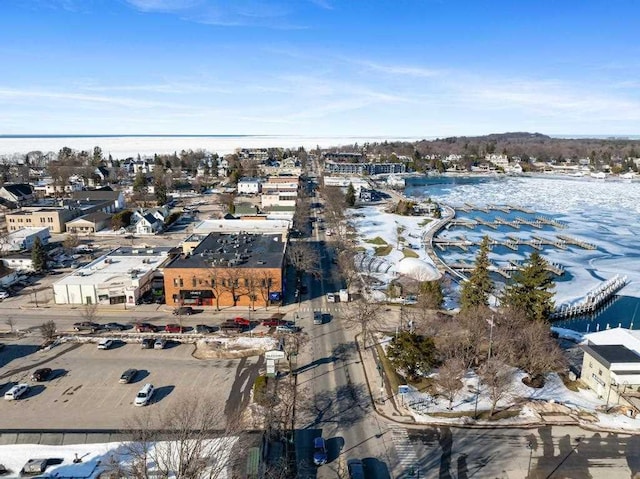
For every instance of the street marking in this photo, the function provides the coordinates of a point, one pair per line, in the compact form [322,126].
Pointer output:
[404,449]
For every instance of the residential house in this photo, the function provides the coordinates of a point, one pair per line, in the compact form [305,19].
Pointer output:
[103,194]
[249,186]
[148,224]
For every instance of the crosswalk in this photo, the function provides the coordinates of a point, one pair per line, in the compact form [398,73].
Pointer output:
[406,452]
[307,309]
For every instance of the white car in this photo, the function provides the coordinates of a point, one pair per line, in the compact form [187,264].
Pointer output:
[4,295]
[144,395]
[16,392]
[105,344]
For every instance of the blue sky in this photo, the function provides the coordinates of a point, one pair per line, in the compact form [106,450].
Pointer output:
[397,68]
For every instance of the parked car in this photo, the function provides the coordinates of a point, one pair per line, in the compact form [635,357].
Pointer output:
[173,328]
[144,395]
[355,468]
[273,322]
[127,376]
[242,321]
[160,343]
[41,374]
[286,329]
[319,451]
[145,328]
[105,344]
[204,329]
[183,311]
[16,392]
[148,343]
[160,300]
[114,327]
[86,326]
[4,294]
[317,317]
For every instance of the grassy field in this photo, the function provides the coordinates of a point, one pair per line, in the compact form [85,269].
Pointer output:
[377,240]
[409,253]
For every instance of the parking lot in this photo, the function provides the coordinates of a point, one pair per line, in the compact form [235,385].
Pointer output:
[84,392]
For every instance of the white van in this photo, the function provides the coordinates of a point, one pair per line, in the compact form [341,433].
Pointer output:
[331,297]
[144,395]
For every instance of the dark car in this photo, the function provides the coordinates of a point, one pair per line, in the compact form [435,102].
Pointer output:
[114,327]
[183,311]
[173,328]
[160,300]
[242,321]
[145,328]
[127,376]
[319,451]
[273,322]
[86,326]
[148,343]
[41,374]
[356,468]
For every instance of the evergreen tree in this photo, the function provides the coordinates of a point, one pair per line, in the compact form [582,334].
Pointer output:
[39,256]
[431,294]
[350,197]
[140,183]
[412,353]
[530,289]
[475,292]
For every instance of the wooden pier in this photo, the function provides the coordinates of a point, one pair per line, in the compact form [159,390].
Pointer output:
[593,300]
[471,224]
[490,224]
[551,222]
[484,209]
[504,209]
[577,242]
[522,209]
[503,221]
[525,221]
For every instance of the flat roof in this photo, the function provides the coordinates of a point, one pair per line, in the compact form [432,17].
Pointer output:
[242,226]
[118,267]
[242,250]
[27,231]
[612,353]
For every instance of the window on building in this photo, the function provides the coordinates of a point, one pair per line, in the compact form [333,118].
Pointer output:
[178,282]
[213,282]
[194,282]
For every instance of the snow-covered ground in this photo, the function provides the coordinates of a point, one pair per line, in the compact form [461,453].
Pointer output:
[95,457]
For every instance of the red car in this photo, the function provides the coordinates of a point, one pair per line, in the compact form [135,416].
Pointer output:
[242,321]
[273,322]
[173,328]
[145,328]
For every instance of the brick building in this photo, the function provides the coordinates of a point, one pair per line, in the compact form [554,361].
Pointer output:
[228,270]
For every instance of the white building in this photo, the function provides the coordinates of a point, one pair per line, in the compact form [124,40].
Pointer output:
[611,366]
[249,186]
[242,226]
[121,276]
[24,238]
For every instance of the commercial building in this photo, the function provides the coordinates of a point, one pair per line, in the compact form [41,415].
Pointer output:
[121,276]
[611,366]
[228,270]
[24,238]
[89,224]
[55,219]
[364,168]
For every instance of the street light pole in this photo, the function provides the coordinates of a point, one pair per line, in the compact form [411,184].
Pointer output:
[530,447]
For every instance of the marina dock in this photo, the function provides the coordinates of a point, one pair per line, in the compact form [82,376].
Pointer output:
[577,242]
[593,300]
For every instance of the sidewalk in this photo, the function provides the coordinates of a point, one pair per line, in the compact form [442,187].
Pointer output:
[383,399]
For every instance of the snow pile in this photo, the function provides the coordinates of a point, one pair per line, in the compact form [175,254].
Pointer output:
[96,458]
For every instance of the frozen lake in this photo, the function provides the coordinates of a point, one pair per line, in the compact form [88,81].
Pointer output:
[605,213]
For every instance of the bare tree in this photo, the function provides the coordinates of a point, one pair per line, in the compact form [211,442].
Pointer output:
[10,322]
[216,283]
[71,242]
[303,257]
[89,312]
[181,442]
[48,330]
[497,377]
[363,315]
[450,378]
[233,283]
[265,282]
